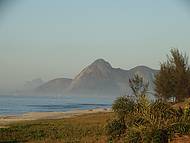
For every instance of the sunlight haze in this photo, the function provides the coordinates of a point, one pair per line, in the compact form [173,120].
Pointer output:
[50,39]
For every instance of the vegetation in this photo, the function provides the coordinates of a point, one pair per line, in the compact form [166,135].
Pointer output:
[152,122]
[138,85]
[173,79]
[143,121]
[136,118]
[81,129]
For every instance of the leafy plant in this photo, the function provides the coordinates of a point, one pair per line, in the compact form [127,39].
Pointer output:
[138,85]
[115,128]
[173,79]
[146,121]
[123,106]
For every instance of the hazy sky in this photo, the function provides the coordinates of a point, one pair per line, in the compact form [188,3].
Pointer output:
[58,38]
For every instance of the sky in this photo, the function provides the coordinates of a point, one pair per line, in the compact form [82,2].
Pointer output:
[57,38]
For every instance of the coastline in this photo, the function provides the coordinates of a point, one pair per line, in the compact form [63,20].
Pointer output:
[6,120]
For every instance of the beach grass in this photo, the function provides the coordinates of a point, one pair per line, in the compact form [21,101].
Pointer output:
[80,129]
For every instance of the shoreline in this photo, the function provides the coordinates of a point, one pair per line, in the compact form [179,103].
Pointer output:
[6,120]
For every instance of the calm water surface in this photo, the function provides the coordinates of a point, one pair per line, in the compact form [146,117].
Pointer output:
[14,105]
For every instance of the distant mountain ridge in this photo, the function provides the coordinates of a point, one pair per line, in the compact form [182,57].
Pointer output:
[99,78]
[55,86]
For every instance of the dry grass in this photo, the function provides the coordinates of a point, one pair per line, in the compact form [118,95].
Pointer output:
[183,139]
[81,129]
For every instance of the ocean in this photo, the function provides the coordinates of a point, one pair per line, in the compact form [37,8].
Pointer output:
[15,105]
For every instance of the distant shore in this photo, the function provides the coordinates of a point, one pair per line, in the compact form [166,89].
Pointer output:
[5,120]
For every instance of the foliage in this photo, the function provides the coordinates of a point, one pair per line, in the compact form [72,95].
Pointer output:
[115,128]
[81,129]
[123,106]
[138,86]
[173,79]
[146,121]
[154,122]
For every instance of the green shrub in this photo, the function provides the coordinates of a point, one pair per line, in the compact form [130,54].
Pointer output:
[147,122]
[160,136]
[123,106]
[181,128]
[115,128]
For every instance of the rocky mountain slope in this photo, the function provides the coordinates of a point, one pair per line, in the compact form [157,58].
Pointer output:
[54,87]
[99,78]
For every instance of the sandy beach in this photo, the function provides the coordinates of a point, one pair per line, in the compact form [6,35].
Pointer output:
[9,119]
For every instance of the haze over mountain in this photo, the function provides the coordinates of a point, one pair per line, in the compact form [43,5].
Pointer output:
[30,85]
[38,38]
[99,78]
[54,87]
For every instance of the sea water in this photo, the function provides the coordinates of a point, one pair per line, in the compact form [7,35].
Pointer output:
[15,105]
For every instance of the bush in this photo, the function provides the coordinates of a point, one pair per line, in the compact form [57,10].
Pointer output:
[181,128]
[115,128]
[160,136]
[151,122]
[173,79]
[123,106]
[146,121]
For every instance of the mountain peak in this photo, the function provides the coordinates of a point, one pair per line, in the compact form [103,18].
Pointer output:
[99,78]
[101,63]
[99,69]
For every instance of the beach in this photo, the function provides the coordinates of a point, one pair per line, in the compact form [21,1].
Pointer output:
[6,120]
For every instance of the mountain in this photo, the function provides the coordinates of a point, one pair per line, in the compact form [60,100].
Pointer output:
[30,85]
[55,86]
[99,78]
